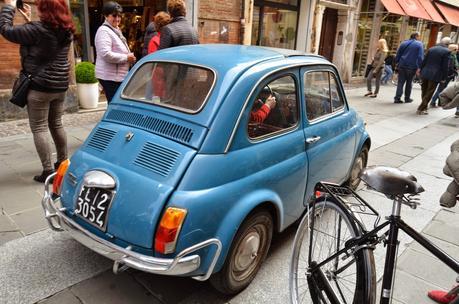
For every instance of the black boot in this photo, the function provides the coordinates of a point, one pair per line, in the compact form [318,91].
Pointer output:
[43,176]
[56,165]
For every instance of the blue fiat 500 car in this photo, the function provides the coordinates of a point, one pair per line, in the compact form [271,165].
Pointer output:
[204,153]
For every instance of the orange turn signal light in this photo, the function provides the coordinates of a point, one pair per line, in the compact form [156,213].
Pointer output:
[169,229]
[59,177]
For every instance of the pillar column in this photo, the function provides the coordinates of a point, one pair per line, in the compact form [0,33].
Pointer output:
[317,28]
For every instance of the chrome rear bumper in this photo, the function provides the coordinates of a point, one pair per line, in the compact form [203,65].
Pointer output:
[182,264]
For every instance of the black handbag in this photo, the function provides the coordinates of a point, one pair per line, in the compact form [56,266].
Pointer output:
[21,89]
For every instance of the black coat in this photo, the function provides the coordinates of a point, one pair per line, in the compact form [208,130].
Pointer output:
[41,46]
[178,32]
[434,67]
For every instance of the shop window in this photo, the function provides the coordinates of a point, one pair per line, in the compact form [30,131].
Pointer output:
[390,30]
[80,40]
[365,26]
[275,23]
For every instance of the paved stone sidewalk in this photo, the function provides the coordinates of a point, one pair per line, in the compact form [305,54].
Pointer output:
[400,138]
[21,126]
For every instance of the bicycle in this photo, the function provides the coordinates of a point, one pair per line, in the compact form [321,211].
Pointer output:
[332,260]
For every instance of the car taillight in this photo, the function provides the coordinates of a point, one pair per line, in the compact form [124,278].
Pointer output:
[169,229]
[59,177]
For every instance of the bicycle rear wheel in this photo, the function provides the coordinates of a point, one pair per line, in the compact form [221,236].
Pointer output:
[344,279]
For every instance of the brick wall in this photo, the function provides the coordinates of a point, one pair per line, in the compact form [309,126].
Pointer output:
[219,21]
[10,64]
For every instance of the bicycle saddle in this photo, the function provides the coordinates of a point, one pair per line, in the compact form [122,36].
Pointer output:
[391,181]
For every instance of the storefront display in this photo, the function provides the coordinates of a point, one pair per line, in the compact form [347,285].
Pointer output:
[80,43]
[390,30]
[275,23]
[365,26]
[87,16]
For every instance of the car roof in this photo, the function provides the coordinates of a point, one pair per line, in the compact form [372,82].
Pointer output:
[235,57]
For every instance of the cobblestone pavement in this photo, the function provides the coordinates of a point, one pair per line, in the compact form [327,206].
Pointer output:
[17,127]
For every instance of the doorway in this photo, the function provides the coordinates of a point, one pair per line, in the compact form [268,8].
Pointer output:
[328,33]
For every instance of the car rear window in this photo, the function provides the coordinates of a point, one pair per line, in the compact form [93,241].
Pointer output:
[175,85]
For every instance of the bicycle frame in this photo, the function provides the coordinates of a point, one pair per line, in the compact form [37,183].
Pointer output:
[397,223]
[370,238]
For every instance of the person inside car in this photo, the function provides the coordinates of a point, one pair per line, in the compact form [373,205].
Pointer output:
[264,103]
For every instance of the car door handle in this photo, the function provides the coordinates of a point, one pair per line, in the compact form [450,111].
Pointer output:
[311,140]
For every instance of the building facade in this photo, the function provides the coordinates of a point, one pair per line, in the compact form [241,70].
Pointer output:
[343,31]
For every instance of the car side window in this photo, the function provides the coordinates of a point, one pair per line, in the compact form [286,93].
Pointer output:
[321,94]
[336,99]
[274,107]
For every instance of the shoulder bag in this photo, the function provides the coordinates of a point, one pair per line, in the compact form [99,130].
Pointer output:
[21,87]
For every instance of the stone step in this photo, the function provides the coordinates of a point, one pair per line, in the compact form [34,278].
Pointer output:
[102,106]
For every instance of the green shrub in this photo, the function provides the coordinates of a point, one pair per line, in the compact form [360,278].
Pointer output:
[85,72]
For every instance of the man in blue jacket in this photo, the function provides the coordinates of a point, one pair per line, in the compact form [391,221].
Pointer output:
[408,59]
[434,69]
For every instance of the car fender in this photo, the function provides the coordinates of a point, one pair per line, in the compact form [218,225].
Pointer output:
[239,212]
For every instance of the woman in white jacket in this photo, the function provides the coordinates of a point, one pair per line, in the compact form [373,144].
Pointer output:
[113,55]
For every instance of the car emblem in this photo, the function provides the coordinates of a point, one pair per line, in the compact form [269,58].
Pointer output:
[129,135]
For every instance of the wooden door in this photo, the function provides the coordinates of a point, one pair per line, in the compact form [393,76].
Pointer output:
[328,33]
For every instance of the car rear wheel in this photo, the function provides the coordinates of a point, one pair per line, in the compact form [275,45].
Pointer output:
[248,250]
[360,163]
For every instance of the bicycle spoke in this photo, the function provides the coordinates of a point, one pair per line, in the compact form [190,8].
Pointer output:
[326,232]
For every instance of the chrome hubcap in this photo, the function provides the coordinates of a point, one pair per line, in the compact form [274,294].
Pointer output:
[358,167]
[247,251]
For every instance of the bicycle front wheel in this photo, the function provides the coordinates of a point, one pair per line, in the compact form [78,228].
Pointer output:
[349,279]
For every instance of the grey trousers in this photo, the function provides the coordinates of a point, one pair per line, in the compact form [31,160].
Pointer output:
[377,76]
[45,112]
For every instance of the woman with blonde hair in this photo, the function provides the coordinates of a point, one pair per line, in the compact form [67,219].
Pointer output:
[377,67]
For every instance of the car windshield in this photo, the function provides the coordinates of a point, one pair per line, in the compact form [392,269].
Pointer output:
[176,85]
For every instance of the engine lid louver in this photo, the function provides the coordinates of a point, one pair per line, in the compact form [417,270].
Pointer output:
[101,139]
[157,159]
[152,124]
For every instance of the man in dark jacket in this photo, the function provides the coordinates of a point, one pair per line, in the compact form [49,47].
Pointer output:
[150,32]
[408,59]
[178,31]
[434,69]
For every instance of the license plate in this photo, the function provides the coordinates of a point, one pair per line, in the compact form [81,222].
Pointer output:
[92,205]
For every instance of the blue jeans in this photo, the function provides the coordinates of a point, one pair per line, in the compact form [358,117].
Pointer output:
[110,88]
[387,74]
[405,77]
[440,87]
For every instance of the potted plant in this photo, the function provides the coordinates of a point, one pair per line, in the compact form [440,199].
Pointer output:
[87,85]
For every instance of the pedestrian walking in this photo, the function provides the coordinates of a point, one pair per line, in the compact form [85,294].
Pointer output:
[388,69]
[408,62]
[150,32]
[113,55]
[377,68]
[434,70]
[453,67]
[178,31]
[44,48]
[161,20]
